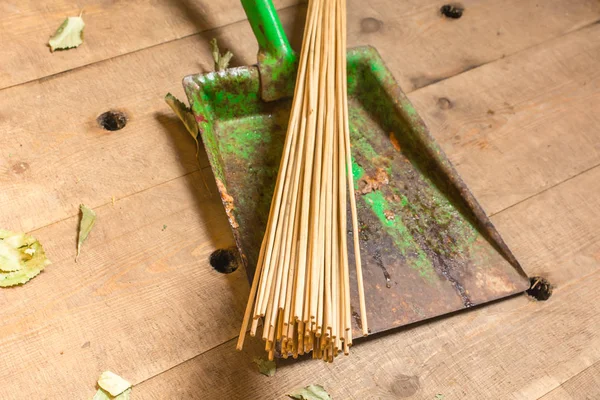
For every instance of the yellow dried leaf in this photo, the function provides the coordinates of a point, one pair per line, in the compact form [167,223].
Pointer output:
[21,258]
[68,35]
[113,383]
[88,219]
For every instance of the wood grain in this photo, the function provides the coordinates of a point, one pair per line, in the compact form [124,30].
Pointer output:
[63,149]
[113,28]
[526,123]
[488,30]
[420,47]
[142,298]
[55,156]
[517,349]
[584,386]
[556,234]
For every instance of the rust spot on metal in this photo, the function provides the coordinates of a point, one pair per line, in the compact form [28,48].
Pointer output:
[389,215]
[394,141]
[228,203]
[368,184]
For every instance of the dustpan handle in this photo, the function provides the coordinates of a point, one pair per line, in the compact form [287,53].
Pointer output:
[267,28]
[275,56]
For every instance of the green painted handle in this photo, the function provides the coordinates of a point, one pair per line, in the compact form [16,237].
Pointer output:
[273,44]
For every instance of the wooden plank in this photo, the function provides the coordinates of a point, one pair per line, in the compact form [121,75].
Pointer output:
[421,47]
[525,349]
[556,234]
[526,122]
[584,386]
[142,298]
[406,33]
[62,143]
[113,28]
[558,394]
[62,147]
[55,156]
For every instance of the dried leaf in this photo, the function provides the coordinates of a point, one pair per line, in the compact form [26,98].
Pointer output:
[113,383]
[221,61]
[88,219]
[102,394]
[21,258]
[185,115]
[265,367]
[311,392]
[68,35]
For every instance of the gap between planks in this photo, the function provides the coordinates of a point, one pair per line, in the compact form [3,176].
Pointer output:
[544,190]
[560,392]
[129,195]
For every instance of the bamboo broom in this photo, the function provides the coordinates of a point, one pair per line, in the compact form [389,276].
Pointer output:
[301,288]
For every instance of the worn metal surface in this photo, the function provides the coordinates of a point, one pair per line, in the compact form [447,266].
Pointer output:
[427,246]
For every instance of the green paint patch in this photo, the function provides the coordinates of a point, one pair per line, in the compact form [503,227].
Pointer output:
[401,236]
[242,137]
[357,172]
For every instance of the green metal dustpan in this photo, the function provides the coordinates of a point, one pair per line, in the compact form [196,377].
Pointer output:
[427,246]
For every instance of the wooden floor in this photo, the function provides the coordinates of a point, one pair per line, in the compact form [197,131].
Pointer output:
[511,91]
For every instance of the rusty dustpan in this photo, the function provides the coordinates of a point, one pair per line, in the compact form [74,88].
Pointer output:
[427,246]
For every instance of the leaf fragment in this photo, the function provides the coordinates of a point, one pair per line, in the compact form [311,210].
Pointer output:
[113,383]
[265,367]
[310,392]
[221,60]
[102,394]
[68,35]
[22,257]
[185,115]
[88,219]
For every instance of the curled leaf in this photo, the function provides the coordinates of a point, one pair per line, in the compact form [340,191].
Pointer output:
[113,383]
[185,115]
[68,35]
[21,258]
[88,219]
[311,392]
[265,367]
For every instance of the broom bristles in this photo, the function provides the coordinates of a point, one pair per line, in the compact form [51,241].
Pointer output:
[301,287]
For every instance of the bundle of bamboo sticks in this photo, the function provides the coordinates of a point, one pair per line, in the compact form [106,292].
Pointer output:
[301,287]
